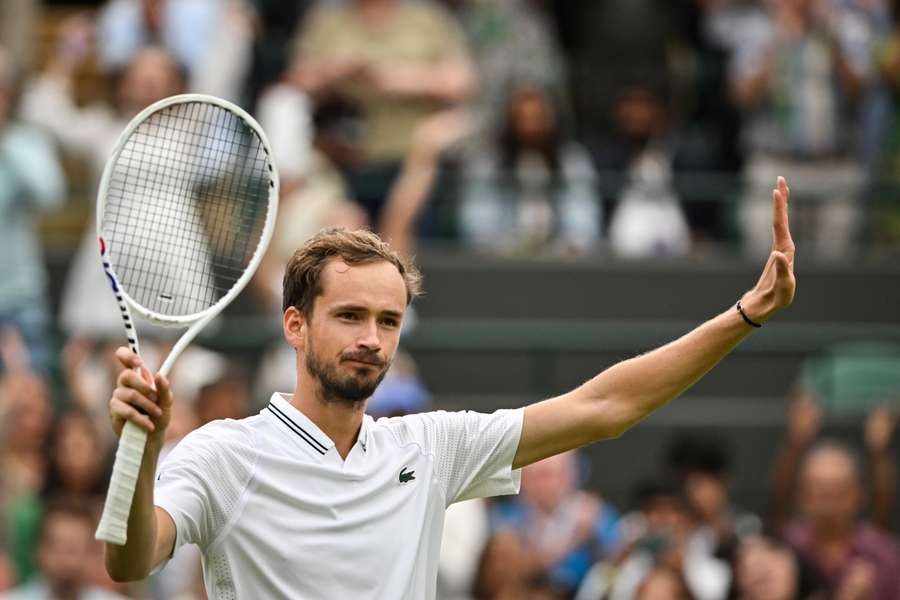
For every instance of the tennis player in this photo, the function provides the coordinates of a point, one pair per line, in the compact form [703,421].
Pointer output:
[311,498]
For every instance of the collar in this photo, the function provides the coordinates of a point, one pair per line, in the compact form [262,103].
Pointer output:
[303,428]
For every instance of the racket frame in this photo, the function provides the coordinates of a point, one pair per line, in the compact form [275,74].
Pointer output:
[113,524]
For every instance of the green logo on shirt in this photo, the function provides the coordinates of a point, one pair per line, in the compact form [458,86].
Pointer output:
[405,477]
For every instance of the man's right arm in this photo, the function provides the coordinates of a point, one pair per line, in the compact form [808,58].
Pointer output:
[151,531]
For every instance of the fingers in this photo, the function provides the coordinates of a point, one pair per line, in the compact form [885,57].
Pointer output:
[781,233]
[130,379]
[136,399]
[122,411]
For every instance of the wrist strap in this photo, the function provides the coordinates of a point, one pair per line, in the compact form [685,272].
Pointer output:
[747,319]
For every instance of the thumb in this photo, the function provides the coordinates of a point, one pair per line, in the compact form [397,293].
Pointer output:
[782,266]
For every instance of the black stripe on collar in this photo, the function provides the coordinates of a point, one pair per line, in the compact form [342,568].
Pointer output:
[304,435]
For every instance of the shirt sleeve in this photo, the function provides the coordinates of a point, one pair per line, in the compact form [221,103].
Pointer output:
[202,480]
[473,452]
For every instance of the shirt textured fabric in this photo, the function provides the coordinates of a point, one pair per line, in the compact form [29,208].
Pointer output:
[278,513]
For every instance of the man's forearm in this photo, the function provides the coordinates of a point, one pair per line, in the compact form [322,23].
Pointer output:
[634,388]
[134,560]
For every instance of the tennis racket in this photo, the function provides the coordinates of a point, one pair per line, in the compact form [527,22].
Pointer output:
[185,211]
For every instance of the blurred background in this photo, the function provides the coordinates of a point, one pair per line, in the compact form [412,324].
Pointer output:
[580,181]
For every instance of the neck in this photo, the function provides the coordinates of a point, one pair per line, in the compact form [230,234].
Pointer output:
[340,421]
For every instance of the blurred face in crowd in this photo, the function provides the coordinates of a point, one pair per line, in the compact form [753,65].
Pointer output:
[150,76]
[830,494]
[662,583]
[707,494]
[227,399]
[30,418]
[353,329]
[764,571]
[531,115]
[666,514]
[64,551]
[78,453]
[639,114]
[546,483]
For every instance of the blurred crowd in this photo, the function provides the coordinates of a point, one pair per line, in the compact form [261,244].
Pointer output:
[639,128]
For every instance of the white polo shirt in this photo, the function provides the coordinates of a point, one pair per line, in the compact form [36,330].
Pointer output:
[278,514]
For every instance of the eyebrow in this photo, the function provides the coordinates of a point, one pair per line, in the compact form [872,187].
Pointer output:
[360,308]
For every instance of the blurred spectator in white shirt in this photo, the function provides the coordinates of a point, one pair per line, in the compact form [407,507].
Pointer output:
[31,182]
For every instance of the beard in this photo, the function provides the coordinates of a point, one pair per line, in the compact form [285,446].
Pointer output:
[351,389]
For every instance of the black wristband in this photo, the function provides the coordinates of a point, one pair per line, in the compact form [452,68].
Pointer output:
[747,319]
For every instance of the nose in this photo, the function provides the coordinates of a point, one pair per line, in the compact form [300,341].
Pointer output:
[368,337]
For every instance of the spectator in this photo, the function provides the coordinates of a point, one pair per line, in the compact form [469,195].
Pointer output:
[797,71]
[636,163]
[78,459]
[91,133]
[851,554]
[532,190]
[701,464]
[804,423]
[64,555]
[22,463]
[565,530]
[662,533]
[31,182]
[400,61]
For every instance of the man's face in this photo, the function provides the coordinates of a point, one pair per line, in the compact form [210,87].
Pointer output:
[64,551]
[830,492]
[353,329]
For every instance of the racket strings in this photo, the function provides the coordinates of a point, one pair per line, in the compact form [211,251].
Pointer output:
[186,206]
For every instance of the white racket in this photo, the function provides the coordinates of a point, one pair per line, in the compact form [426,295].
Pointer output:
[185,211]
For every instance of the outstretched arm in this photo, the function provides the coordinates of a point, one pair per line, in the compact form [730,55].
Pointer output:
[616,399]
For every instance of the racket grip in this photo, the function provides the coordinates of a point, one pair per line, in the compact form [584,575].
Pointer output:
[113,527]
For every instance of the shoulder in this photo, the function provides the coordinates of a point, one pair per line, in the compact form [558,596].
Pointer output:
[216,441]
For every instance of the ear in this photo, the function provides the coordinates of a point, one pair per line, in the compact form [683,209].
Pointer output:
[294,325]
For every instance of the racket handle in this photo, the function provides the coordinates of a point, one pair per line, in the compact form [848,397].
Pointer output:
[113,527]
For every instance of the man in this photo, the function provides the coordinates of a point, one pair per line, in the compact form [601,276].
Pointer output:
[64,556]
[856,559]
[312,498]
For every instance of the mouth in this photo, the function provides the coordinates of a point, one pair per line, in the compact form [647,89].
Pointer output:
[363,363]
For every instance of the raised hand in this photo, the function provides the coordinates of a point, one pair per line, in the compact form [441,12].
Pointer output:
[776,286]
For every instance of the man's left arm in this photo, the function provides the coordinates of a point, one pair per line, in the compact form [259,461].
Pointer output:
[619,397]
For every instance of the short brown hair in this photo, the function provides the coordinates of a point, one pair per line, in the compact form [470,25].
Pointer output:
[303,275]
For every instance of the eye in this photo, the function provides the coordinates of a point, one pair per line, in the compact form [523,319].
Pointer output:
[390,322]
[348,316]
